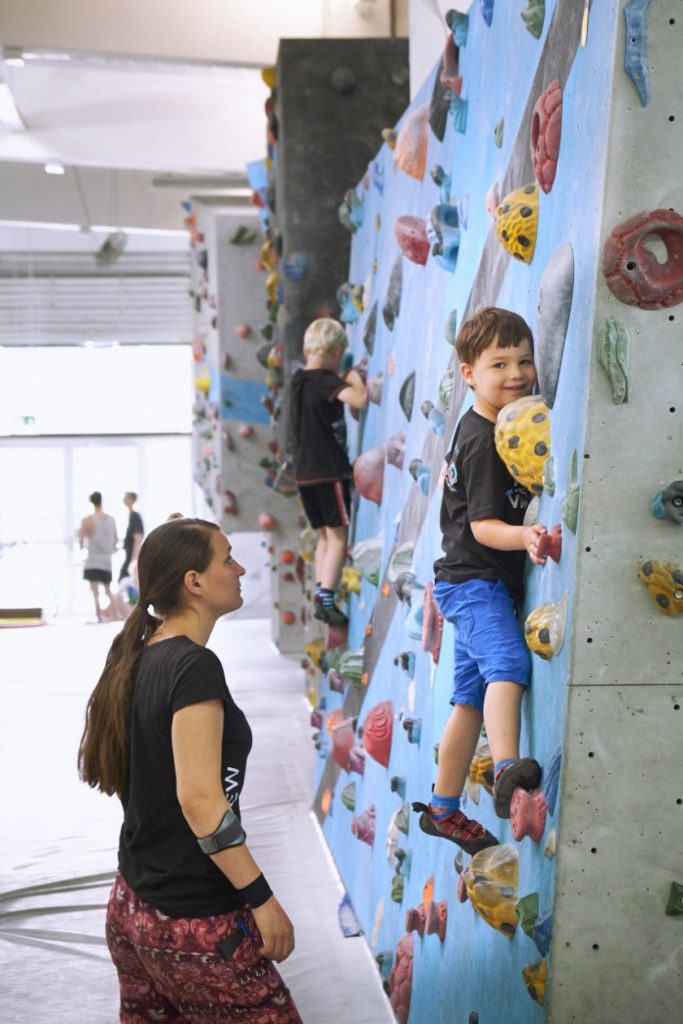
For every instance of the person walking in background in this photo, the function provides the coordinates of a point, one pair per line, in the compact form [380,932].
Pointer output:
[98,535]
[192,924]
[132,540]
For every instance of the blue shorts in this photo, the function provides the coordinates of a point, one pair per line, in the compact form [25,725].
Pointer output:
[489,642]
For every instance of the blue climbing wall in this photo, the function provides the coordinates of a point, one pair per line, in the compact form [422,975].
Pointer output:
[504,69]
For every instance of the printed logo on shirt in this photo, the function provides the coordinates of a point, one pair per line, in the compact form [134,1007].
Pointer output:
[451,477]
[231,783]
[517,496]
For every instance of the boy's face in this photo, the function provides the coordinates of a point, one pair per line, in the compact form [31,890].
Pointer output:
[499,376]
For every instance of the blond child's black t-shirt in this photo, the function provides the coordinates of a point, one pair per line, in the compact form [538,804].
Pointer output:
[319,428]
[478,486]
[159,855]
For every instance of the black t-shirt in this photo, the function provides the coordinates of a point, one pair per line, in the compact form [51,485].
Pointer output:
[478,486]
[319,427]
[134,526]
[158,853]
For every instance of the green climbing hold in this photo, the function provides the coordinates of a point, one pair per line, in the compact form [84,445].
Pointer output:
[243,235]
[612,352]
[674,907]
[570,504]
[534,16]
[526,910]
[498,132]
[348,796]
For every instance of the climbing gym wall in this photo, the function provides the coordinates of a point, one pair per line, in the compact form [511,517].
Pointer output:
[534,170]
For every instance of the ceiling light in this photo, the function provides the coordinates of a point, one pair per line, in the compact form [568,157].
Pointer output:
[10,117]
[54,168]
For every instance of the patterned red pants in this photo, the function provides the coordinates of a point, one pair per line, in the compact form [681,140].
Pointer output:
[171,971]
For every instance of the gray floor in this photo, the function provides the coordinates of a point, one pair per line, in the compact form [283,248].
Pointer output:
[58,838]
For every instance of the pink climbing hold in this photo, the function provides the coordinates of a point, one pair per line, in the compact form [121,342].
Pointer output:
[401,979]
[632,270]
[377,732]
[461,890]
[411,235]
[411,143]
[437,918]
[368,474]
[546,132]
[343,739]
[528,812]
[266,521]
[243,330]
[245,430]
[416,920]
[336,636]
[396,449]
[432,624]
[550,543]
[364,826]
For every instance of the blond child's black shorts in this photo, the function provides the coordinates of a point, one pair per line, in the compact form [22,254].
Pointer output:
[326,504]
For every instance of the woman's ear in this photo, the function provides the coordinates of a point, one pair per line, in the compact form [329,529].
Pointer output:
[192,582]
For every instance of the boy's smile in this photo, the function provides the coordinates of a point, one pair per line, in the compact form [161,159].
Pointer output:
[499,376]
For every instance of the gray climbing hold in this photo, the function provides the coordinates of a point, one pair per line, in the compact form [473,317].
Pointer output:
[635,49]
[392,302]
[552,316]
[612,352]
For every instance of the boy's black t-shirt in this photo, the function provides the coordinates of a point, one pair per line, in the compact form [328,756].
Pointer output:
[158,853]
[478,486]
[319,427]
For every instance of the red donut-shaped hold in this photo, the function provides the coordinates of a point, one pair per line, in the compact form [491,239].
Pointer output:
[633,272]
[411,235]
[546,131]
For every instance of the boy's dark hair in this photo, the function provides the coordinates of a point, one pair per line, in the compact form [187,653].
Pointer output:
[487,326]
[95,498]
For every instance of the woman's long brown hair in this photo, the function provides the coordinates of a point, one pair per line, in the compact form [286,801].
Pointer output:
[167,553]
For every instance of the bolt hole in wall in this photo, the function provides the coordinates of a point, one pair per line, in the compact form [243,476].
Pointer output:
[657,246]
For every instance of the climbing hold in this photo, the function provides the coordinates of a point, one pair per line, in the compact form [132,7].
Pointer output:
[491,880]
[635,48]
[450,75]
[395,450]
[294,266]
[461,888]
[406,662]
[335,681]
[343,81]
[392,301]
[350,582]
[612,351]
[543,932]
[550,544]
[416,920]
[526,911]
[451,327]
[517,222]
[377,730]
[633,271]
[352,211]
[370,330]
[326,801]
[528,812]
[398,883]
[535,976]
[551,779]
[266,521]
[364,826]
[571,500]
[343,739]
[432,624]
[315,650]
[486,8]
[317,718]
[245,430]
[367,555]
[242,330]
[368,474]
[411,143]
[443,181]
[401,979]
[390,135]
[397,784]
[674,906]
[522,436]
[434,417]
[481,767]
[546,132]
[552,316]
[549,477]
[437,919]
[668,504]
[457,108]
[375,388]
[407,588]
[401,561]
[443,232]
[337,636]
[350,666]
[534,16]
[499,132]
[544,628]
[350,299]
[413,728]
[446,385]
[406,395]
[550,844]
[411,235]
[421,474]
[664,580]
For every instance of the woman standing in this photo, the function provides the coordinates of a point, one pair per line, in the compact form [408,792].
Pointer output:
[192,924]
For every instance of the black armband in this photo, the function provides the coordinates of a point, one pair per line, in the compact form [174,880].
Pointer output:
[229,833]
[257,892]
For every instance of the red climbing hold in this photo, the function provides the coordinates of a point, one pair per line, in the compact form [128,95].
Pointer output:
[546,131]
[432,624]
[368,474]
[337,636]
[343,738]
[266,521]
[416,920]
[377,731]
[401,979]
[528,811]
[411,235]
[550,543]
[437,918]
[632,270]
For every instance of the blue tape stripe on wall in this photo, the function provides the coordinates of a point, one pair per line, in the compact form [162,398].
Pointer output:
[241,400]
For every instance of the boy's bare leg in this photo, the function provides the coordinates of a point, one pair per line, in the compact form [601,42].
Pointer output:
[335,556]
[502,703]
[320,553]
[456,749]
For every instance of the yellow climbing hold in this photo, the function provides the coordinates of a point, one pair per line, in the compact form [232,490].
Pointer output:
[523,440]
[664,580]
[535,976]
[350,582]
[491,879]
[544,628]
[315,649]
[517,222]
[481,767]
[269,76]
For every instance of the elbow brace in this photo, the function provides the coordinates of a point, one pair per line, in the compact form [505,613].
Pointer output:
[229,833]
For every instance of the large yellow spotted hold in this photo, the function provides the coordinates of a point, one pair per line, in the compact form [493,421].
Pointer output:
[517,222]
[523,440]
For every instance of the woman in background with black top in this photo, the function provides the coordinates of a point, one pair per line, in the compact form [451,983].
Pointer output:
[192,925]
